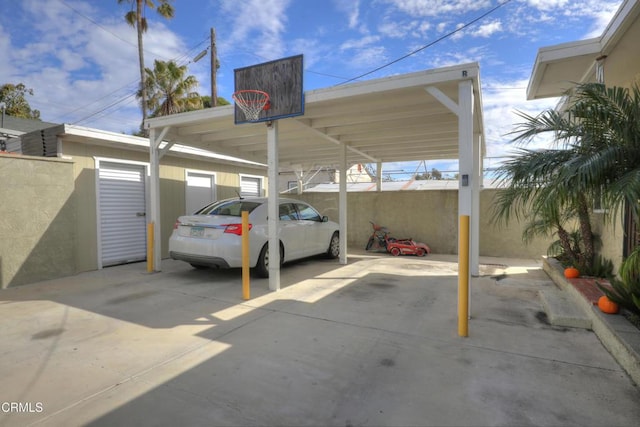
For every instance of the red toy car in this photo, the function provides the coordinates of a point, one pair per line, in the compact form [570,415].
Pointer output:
[407,247]
[380,239]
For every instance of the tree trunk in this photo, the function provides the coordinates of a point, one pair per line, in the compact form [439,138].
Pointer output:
[565,242]
[586,232]
[143,86]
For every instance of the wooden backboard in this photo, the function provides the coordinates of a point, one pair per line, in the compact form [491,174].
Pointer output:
[281,79]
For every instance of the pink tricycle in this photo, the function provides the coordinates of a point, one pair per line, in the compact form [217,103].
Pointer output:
[380,239]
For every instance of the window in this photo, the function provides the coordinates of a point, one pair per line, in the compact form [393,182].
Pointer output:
[307,213]
[229,207]
[250,186]
[288,212]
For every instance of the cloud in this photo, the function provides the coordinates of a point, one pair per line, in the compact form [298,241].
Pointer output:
[488,29]
[351,9]
[548,4]
[359,43]
[258,26]
[603,16]
[598,12]
[501,100]
[396,29]
[363,52]
[418,8]
[456,57]
[83,72]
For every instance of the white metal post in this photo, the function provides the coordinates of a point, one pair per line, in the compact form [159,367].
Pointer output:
[342,203]
[475,205]
[154,198]
[466,166]
[272,206]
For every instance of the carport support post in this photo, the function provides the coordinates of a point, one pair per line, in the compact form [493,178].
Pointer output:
[155,154]
[469,166]
[467,176]
[272,206]
[342,203]
[154,198]
[476,183]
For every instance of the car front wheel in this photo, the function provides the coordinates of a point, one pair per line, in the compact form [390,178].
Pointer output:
[334,246]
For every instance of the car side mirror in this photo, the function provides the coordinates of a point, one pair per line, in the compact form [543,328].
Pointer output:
[325,218]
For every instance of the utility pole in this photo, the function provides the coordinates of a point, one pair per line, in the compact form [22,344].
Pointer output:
[214,69]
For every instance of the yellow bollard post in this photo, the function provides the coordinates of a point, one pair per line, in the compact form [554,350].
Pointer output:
[246,288]
[463,277]
[150,247]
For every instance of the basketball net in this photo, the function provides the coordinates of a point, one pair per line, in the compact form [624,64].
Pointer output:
[251,102]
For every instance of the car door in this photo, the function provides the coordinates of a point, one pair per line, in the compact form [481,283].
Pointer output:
[314,230]
[292,234]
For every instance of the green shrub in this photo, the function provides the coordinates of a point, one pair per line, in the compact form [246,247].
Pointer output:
[601,267]
[626,291]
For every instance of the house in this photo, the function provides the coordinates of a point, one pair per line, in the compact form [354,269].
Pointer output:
[612,59]
[13,127]
[290,180]
[79,198]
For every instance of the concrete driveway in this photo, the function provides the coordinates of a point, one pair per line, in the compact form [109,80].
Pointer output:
[370,343]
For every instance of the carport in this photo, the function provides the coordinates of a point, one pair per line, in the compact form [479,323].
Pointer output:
[427,115]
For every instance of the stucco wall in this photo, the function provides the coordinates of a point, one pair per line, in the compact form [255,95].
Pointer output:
[611,234]
[38,217]
[622,64]
[428,216]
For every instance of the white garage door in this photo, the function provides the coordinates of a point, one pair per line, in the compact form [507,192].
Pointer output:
[121,192]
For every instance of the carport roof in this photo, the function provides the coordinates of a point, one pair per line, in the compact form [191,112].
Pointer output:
[398,118]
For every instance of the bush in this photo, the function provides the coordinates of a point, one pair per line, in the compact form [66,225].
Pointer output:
[601,267]
[626,291]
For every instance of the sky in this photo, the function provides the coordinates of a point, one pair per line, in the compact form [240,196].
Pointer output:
[80,56]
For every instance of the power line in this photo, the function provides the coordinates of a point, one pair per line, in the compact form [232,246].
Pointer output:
[127,97]
[96,24]
[84,107]
[107,30]
[430,44]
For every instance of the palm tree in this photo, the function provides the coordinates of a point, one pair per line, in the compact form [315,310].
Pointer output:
[206,101]
[169,91]
[532,194]
[136,19]
[596,155]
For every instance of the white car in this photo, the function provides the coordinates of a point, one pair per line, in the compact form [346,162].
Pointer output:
[212,237]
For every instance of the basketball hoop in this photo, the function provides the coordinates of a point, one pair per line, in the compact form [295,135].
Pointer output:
[251,102]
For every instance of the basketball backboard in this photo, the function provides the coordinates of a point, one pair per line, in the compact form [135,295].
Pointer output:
[281,79]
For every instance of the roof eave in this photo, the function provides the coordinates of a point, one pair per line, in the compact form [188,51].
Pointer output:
[577,59]
[567,62]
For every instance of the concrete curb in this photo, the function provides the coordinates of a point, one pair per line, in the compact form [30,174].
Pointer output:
[561,311]
[619,336]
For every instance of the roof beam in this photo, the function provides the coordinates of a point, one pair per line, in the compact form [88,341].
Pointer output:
[444,99]
[335,141]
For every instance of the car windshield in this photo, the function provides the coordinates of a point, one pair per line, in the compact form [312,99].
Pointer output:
[228,207]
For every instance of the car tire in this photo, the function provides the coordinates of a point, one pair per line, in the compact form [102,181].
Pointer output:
[199,266]
[333,251]
[395,251]
[420,252]
[262,267]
